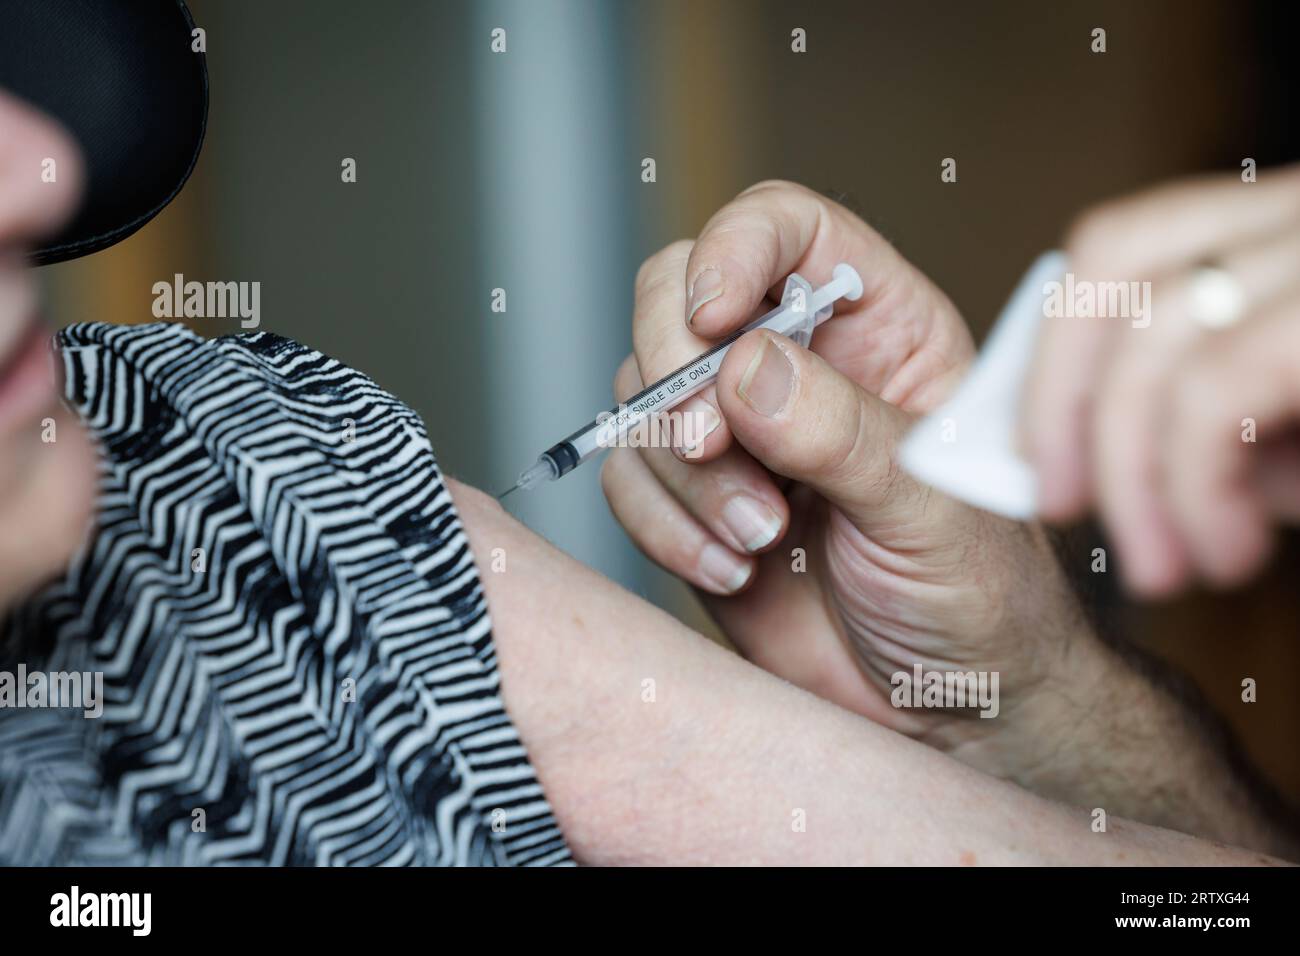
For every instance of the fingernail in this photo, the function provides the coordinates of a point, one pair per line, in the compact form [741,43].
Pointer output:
[725,569]
[767,383]
[706,288]
[698,420]
[753,523]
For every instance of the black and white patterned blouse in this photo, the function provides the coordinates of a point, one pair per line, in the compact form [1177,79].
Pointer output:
[296,653]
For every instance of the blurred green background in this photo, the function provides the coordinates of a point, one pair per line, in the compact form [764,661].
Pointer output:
[522,171]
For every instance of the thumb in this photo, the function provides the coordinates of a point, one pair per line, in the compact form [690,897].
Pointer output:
[801,418]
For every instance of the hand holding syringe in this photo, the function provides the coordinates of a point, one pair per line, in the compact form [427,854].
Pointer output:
[802,309]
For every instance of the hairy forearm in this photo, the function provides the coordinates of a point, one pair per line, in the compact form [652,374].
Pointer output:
[657,747]
[1107,727]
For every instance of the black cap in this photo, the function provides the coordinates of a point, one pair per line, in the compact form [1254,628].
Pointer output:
[122,77]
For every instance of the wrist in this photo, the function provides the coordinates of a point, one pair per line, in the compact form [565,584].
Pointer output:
[1106,727]
[1053,716]
[1058,682]
[1050,738]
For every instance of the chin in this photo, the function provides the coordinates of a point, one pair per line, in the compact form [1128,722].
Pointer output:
[47,494]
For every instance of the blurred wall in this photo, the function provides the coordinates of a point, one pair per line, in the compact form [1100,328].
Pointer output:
[522,171]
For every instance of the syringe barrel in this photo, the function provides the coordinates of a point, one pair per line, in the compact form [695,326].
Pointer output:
[612,428]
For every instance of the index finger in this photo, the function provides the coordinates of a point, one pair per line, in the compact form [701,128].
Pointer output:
[902,340]
[770,230]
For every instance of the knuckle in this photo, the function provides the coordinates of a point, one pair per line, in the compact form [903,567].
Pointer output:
[1091,231]
[662,264]
[742,219]
[772,185]
[863,455]
[657,285]
[752,236]
[654,346]
[845,451]
[679,250]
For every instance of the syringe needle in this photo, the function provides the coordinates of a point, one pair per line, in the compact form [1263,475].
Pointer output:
[502,496]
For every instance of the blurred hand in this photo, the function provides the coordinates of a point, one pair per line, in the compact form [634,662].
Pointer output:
[46,488]
[1147,423]
[797,459]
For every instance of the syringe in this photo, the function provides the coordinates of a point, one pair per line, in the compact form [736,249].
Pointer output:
[801,310]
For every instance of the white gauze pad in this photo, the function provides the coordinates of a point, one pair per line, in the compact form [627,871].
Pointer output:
[967,448]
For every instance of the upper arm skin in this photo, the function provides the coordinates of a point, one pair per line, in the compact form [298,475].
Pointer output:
[655,746]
